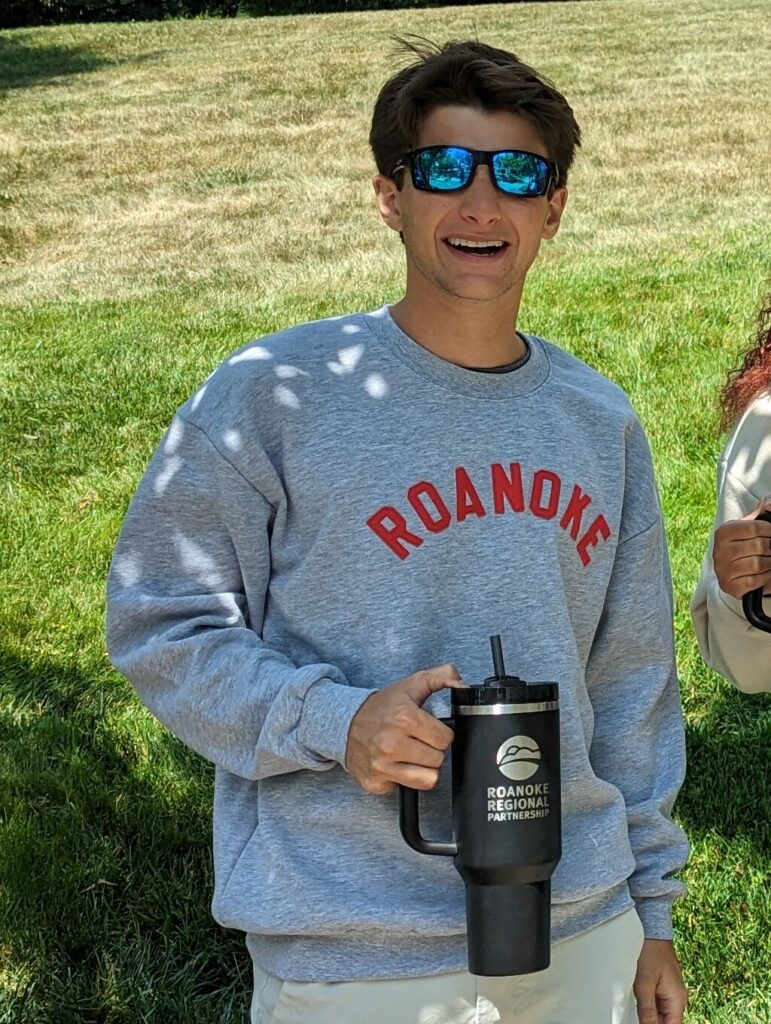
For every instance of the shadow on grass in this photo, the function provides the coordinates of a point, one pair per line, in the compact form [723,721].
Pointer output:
[24,62]
[105,861]
[105,851]
[726,791]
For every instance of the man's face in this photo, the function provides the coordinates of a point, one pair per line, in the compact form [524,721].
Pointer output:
[433,224]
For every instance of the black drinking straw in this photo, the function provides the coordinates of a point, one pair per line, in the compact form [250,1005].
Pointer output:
[495,644]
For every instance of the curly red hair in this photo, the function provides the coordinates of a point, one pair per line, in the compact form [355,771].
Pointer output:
[753,376]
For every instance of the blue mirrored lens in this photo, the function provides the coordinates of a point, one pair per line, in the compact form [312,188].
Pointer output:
[443,168]
[521,174]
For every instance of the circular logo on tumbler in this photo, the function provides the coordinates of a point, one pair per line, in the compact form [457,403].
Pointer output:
[518,758]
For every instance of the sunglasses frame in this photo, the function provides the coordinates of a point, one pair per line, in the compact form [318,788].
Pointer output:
[480,156]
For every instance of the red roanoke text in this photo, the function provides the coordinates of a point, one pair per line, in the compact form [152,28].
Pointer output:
[543,495]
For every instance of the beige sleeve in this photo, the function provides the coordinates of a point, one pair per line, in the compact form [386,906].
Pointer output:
[728,643]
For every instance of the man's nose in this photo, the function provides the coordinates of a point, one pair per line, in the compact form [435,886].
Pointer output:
[480,202]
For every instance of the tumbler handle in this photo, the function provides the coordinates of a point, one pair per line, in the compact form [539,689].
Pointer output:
[752,602]
[409,822]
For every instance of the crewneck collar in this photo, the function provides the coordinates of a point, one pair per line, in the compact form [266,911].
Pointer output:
[526,378]
[507,367]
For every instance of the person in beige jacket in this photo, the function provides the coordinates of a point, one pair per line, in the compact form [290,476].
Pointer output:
[738,557]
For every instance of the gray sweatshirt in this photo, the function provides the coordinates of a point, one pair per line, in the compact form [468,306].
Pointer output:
[337,508]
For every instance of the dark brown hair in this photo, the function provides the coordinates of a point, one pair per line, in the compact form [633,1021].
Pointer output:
[468,73]
[753,376]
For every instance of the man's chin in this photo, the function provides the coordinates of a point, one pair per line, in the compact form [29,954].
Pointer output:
[472,288]
[479,293]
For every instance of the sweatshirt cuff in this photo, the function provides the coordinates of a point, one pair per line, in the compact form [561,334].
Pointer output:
[731,604]
[737,607]
[328,710]
[656,917]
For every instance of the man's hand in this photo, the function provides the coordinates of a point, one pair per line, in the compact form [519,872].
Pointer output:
[658,987]
[392,740]
[742,553]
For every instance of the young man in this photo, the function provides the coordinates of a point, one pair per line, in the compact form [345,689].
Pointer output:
[330,531]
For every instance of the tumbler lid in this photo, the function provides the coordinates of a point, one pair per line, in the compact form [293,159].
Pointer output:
[504,692]
[502,688]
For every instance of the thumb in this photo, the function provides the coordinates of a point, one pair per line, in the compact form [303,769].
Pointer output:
[419,686]
[764,505]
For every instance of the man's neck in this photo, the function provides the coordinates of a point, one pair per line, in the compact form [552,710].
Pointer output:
[473,334]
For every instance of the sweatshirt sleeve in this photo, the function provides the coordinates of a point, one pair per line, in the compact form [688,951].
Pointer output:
[638,743]
[728,643]
[185,600]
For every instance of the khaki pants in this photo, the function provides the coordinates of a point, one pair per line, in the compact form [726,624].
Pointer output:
[589,982]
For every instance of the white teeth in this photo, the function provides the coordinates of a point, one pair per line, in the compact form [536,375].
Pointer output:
[475,245]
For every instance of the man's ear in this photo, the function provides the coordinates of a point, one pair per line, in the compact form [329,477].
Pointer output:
[388,201]
[555,209]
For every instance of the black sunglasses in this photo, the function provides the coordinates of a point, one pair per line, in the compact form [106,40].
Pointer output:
[515,172]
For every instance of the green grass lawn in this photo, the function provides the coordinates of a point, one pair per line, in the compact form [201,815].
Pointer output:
[168,191]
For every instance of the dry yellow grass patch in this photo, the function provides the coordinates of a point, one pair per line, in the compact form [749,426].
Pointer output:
[236,151]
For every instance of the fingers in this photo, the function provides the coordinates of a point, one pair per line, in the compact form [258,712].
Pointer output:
[742,556]
[751,565]
[740,578]
[658,987]
[645,994]
[746,584]
[394,754]
[750,544]
[411,751]
[415,776]
[742,536]
[410,721]
[422,684]
[431,731]
[391,738]
[418,688]
[647,1014]
[740,530]
[383,777]
[671,1006]
[400,758]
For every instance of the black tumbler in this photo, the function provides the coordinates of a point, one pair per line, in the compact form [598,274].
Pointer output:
[506,818]
[752,603]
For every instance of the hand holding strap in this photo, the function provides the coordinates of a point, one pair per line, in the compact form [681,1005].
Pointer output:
[752,602]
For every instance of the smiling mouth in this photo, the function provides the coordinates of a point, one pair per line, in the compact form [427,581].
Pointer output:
[468,247]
